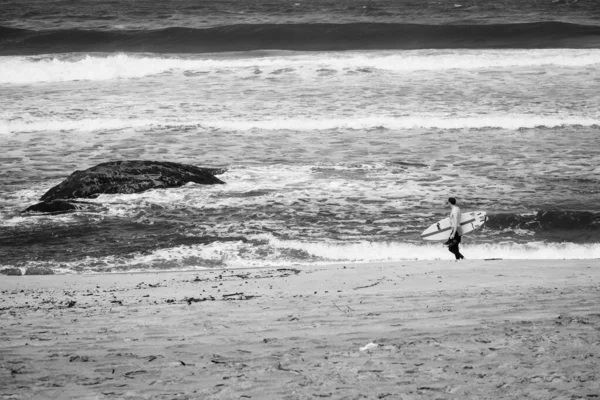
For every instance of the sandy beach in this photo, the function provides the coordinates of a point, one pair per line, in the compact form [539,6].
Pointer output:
[404,330]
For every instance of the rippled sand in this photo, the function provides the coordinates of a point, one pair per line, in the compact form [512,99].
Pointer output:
[474,329]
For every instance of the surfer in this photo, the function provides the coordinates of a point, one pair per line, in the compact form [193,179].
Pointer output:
[455,232]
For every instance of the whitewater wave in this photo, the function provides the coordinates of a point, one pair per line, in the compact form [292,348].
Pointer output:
[94,67]
[26,70]
[83,125]
[509,122]
[371,252]
[294,253]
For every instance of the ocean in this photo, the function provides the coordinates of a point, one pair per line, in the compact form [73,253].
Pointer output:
[344,126]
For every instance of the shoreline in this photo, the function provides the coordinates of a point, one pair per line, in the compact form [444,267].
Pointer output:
[439,329]
[291,266]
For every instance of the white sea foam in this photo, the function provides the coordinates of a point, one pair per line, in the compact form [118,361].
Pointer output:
[62,68]
[83,125]
[365,251]
[424,121]
[239,254]
[26,70]
[33,221]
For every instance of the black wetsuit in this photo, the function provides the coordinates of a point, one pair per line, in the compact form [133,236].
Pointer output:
[453,246]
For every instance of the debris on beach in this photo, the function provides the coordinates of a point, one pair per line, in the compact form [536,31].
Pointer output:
[238,296]
[369,346]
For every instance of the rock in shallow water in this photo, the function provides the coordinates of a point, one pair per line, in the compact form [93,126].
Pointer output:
[130,177]
[121,177]
[52,206]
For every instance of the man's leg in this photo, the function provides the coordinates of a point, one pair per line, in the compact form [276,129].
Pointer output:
[457,254]
[453,248]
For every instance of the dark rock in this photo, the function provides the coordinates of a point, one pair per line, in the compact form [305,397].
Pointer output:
[52,206]
[11,271]
[130,177]
[62,206]
[39,271]
[79,358]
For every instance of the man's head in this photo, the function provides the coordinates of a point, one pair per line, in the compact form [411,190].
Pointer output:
[452,200]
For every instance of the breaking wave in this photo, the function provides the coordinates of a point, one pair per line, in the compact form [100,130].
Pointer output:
[98,67]
[287,253]
[512,122]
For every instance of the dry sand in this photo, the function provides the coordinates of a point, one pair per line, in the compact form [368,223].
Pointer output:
[465,330]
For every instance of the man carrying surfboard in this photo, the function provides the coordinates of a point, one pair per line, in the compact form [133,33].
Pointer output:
[456,230]
[451,229]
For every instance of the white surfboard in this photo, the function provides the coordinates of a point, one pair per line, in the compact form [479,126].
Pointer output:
[469,221]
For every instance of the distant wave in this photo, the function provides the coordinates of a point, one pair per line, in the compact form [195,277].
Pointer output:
[546,221]
[512,122]
[553,226]
[315,37]
[96,67]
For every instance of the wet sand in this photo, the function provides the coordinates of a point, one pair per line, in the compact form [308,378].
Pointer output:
[405,330]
